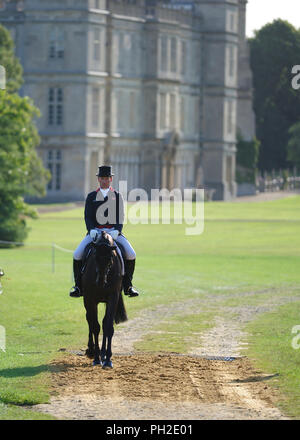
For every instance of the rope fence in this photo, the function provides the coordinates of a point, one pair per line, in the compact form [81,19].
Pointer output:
[56,246]
[53,246]
[16,243]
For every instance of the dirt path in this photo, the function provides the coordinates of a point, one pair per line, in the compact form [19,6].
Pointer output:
[267,196]
[214,381]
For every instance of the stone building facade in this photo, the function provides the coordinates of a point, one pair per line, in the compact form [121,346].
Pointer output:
[155,88]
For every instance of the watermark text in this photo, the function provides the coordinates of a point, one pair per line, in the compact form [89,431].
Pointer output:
[2,338]
[158,206]
[296,339]
[296,79]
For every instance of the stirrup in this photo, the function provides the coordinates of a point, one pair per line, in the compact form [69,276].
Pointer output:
[131,292]
[75,292]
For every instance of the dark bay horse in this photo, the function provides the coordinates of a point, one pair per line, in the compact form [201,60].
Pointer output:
[102,283]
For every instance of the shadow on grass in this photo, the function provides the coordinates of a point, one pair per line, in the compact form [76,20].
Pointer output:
[256,378]
[24,371]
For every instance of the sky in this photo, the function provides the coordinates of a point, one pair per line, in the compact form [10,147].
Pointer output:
[261,12]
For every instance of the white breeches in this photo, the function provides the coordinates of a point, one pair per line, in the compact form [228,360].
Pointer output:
[122,242]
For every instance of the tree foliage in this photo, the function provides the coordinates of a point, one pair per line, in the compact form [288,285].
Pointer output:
[21,171]
[10,62]
[246,159]
[274,51]
[294,145]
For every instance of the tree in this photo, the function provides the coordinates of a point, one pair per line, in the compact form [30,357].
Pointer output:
[21,171]
[246,159]
[274,50]
[10,62]
[294,144]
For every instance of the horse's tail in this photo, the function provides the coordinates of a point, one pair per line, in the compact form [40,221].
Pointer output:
[121,315]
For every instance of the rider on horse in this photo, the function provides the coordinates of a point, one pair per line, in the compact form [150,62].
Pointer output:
[104,209]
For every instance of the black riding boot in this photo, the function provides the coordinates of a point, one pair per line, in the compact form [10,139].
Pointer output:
[127,279]
[76,290]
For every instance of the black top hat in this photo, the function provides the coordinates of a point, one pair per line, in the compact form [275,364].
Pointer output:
[104,171]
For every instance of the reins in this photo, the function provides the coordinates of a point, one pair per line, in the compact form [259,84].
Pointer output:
[108,266]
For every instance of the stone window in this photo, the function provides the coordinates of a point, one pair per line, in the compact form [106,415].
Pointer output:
[134,54]
[128,52]
[96,44]
[56,44]
[232,22]
[126,55]
[20,6]
[196,115]
[231,61]
[54,165]
[55,106]
[120,52]
[172,111]
[95,107]
[229,169]
[162,110]
[132,112]
[119,104]
[182,114]
[164,54]
[183,57]
[173,54]
[230,117]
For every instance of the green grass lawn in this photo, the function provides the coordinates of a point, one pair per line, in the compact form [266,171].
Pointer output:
[271,345]
[244,247]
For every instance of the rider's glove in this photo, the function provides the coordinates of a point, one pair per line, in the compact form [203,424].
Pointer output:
[114,234]
[93,234]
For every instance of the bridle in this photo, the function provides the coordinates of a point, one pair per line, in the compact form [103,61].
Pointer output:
[103,242]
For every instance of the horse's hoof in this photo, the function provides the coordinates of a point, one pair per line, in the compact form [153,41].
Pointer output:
[90,354]
[107,365]
[98,362]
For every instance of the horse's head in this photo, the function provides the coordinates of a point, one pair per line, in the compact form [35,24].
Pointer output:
[104,244]
[104,251]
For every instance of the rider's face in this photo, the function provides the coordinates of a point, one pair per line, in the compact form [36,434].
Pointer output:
[104,182]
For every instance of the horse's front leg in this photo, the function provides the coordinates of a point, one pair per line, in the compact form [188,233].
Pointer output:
[108,332]
[90,351]
[103,346]
[108,363]
[94,330]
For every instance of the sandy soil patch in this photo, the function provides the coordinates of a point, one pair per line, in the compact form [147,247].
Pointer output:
[160,386]
[214,381]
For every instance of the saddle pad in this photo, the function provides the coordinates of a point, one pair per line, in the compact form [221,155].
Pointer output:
[121,259]
[85,256]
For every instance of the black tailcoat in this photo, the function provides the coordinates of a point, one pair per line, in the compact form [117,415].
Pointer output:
[103,211]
